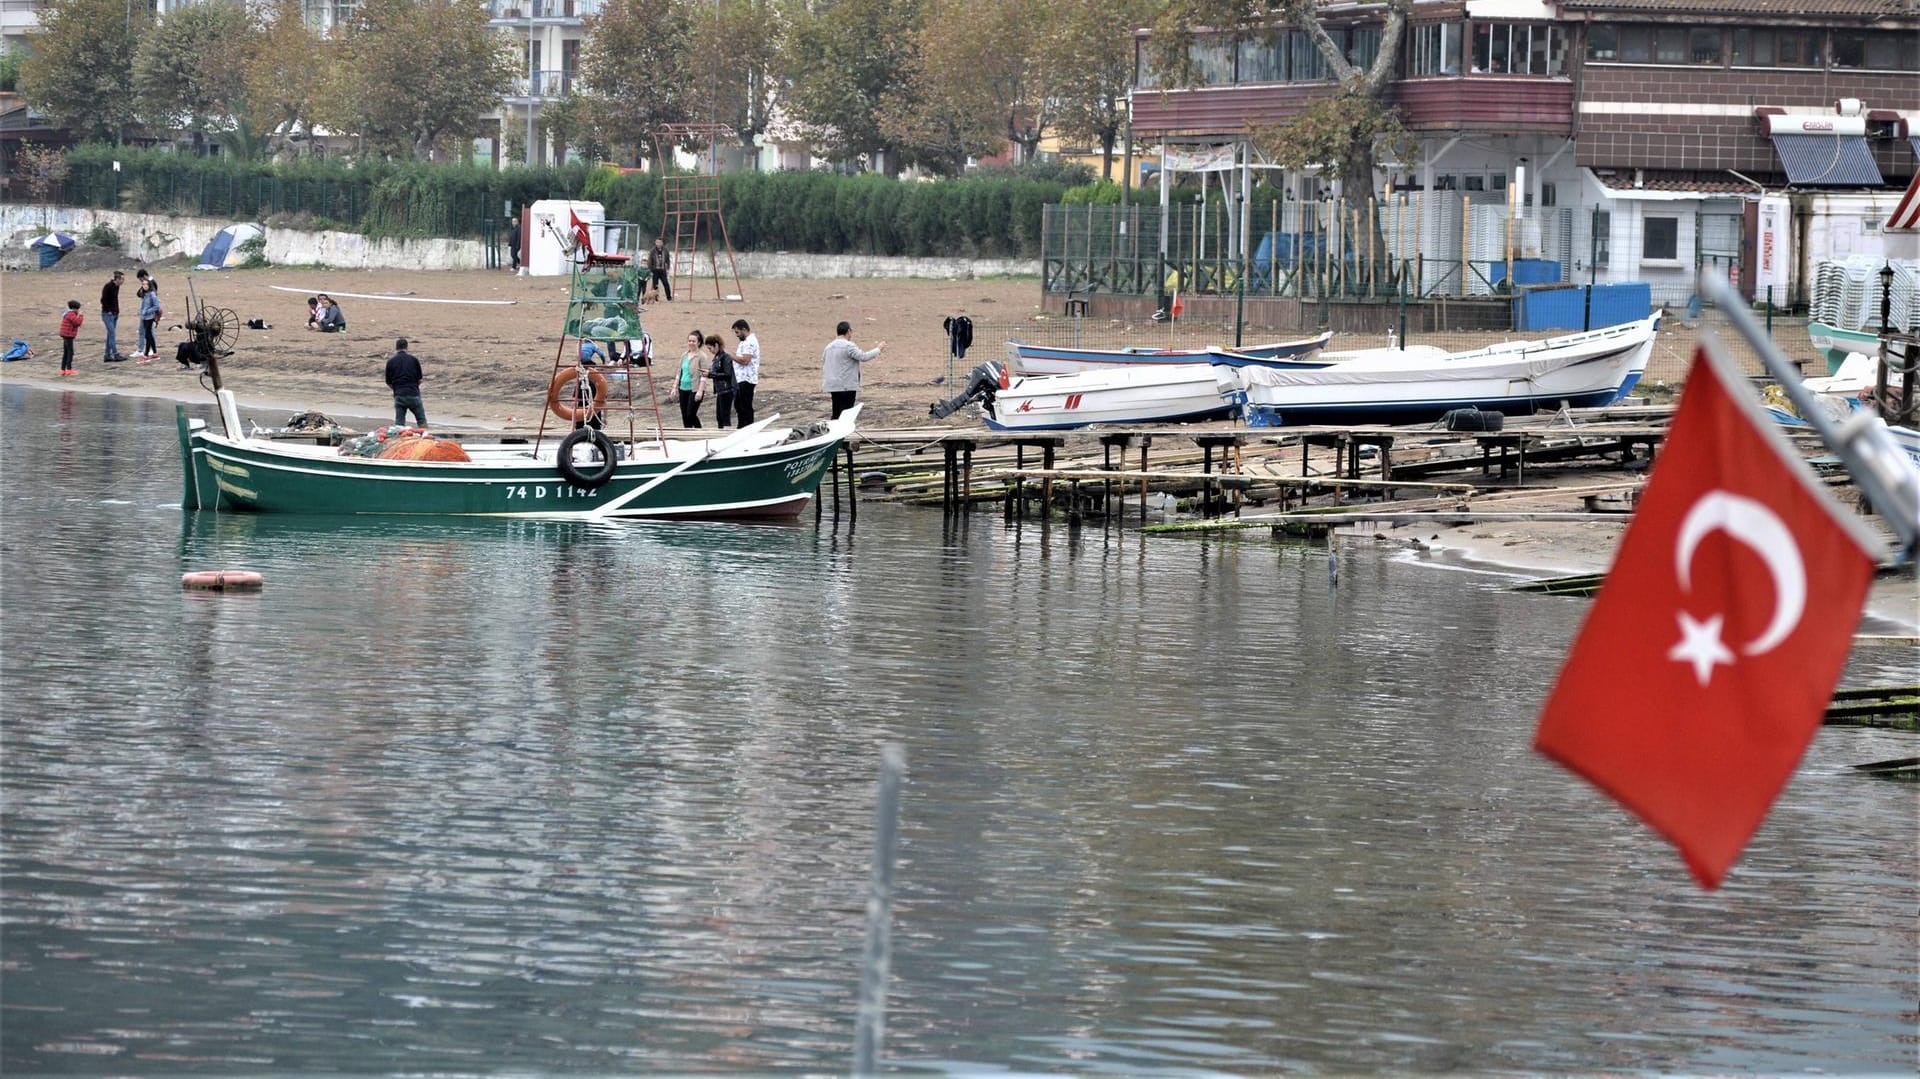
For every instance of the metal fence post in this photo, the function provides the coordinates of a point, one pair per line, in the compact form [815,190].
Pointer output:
[871,1019]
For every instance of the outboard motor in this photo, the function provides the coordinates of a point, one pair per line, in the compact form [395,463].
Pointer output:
[982,382]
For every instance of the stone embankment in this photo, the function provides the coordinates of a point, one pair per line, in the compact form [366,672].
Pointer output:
[153,237]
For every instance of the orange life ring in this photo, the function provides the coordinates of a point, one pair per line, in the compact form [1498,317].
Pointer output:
[561,402]
[222,580]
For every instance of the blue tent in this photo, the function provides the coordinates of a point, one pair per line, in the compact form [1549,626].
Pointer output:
[223,251]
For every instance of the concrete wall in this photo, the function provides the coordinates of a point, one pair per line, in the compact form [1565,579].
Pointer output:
[156,236]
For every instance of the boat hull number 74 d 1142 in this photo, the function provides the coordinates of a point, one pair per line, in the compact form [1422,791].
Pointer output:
[562,490]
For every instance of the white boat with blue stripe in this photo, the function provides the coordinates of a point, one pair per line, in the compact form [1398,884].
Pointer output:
[1410,385]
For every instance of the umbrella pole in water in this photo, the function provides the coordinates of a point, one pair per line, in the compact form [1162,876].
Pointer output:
[871,1022]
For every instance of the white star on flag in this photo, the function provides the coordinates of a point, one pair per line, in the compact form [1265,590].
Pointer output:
[1700,645]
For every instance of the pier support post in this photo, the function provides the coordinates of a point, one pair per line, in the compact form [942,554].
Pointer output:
[1145,441]
[1046,483]
[1019,503]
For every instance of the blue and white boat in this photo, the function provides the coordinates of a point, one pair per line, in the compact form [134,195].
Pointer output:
[1029,359]
[1393,385]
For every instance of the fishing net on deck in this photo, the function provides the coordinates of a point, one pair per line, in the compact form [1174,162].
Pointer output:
[423,448]
[397,443]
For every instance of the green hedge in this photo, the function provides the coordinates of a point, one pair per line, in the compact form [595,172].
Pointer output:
[995,214]
[377,199]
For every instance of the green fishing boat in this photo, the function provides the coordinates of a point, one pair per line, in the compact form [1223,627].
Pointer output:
[586,468]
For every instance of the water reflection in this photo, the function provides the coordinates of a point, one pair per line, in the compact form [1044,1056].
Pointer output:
[485,795]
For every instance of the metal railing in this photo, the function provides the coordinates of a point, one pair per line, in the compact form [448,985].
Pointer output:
[521,10]
[545,84]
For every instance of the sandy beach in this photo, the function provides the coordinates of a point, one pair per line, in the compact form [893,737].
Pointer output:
[488,365]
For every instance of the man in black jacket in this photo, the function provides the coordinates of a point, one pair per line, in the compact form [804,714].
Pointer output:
[659,261]
[110,314]
[403,377]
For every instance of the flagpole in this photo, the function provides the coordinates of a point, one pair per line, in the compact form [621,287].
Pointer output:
[1862,442]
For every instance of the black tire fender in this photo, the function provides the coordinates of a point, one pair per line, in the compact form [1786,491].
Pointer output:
[592,477]
[1473,419]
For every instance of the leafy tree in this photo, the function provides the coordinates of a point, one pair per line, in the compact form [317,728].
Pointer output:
[841,59]
[570,127]
[420,74]
[1095,45]
[190,70]
[1343,132]
[633,67]
[285,71]
[78,74]
[982,75]
[735,77]
[10,69]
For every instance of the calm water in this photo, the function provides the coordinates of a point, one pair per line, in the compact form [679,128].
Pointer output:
[505,796]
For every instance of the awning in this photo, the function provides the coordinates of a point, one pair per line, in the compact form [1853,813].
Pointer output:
[1906,214]
[1833,160]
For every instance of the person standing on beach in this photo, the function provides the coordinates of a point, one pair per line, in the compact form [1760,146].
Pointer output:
[693,377]
[403,377]
[659,261]
[746,370]
[840,367]
[720,374]
[148,345]
[69,329]
[110,315]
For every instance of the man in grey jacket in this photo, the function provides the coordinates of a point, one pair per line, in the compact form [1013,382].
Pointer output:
[840,367]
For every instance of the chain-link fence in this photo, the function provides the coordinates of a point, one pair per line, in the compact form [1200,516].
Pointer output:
[1420,245]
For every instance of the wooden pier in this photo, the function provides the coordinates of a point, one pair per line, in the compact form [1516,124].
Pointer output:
[1224,468]
[1221,470]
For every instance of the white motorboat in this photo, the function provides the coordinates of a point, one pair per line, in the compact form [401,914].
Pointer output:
[1149,393]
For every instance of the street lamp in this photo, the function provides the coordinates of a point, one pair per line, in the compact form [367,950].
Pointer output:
[531,76]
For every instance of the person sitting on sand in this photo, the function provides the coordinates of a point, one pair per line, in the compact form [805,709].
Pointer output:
[330,318]
[313,312]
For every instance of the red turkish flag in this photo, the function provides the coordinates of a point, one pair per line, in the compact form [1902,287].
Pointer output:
[580,232]
[1708,659]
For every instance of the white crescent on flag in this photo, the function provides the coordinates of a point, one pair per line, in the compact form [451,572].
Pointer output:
[1906,214]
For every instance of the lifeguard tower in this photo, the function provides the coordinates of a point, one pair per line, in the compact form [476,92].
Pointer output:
[693,218]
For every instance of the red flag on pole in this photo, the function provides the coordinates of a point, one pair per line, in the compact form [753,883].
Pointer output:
[1708,659]
[580,233]
[1176,309]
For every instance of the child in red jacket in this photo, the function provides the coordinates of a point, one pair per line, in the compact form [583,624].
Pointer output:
[69,329]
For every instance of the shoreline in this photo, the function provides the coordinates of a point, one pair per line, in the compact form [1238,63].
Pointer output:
[1525,551]
[198,394]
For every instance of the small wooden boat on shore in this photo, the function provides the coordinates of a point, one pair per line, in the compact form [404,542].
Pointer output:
[759,471]
[1390,385]
[1150,393]
[1835,344]
[1029,359]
